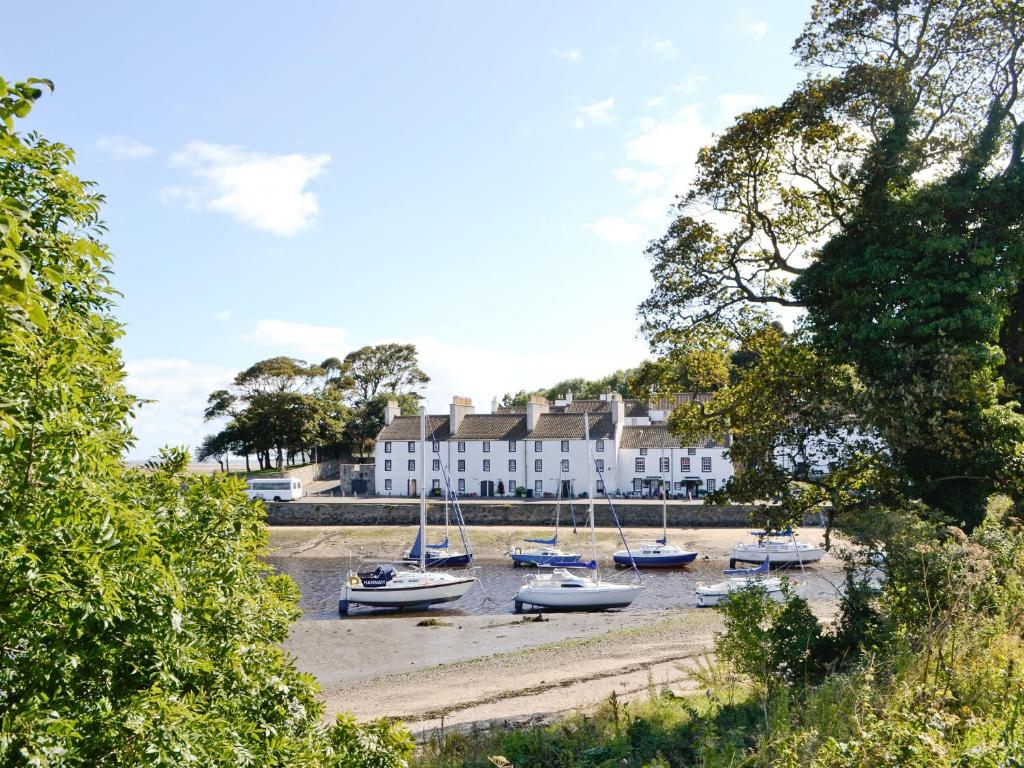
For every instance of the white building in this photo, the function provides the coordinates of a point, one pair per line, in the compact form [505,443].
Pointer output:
[540,446]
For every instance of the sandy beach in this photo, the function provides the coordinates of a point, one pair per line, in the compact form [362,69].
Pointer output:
[473,669]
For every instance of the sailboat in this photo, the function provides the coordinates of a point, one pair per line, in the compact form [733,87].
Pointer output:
[440,554]
[780,548]
[740,579]
[658,553]
[387,587]
[548,553]
[566,590]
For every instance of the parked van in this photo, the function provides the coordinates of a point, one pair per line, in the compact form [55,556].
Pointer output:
[275,489]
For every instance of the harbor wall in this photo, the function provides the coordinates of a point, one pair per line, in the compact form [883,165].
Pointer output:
[527,514]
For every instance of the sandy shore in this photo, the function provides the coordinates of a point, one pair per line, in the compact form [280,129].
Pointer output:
[477,669]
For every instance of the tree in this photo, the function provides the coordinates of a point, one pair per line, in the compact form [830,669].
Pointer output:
[384,368]
[138,624]
[884,198]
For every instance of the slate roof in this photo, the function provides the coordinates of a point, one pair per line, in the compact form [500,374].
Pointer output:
[511,409]
[408,428]
[569,426]
[491,426]
[668,402]
[658,436]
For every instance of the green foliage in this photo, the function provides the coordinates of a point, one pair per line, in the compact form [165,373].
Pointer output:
[138,624]
[378,744]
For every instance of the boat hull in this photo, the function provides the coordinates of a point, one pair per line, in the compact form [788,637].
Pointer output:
[449,561]
[524,558]
[419,596]
[776,558]
[709,595]
[600,598]
[673,560]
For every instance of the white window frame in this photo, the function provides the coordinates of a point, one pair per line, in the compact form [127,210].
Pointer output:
[565,466]
[643,451]
[691,451]
[538,465]
[712,485]
[639,465]
[462,446]
[511,486]
[705,464]
[538,487]
[487,465]
[600,446]
[538,446]
[487,446]
[436,467]
[664,464]
[387,484]
[387,465]
[462,465]
[511,465]
[684,463]
[511,446]
[462,485]
[412,446]
[599,465]
[565,446]
[387,447]
[412,465]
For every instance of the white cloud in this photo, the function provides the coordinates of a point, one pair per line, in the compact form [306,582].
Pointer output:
[179,388]
[264,191]
[598,112]
[313,343]
[123,147]
[224,314]
[571,55]
[690,84]
[751,27]
[662,156]
[617,230]
[732,104]
[664,48]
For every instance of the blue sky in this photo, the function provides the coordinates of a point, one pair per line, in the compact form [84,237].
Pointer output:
[476,178]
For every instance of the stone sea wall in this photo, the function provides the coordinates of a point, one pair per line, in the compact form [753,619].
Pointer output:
[528,514]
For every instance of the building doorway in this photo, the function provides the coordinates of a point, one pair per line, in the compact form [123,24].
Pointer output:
[567,489]
[412,488]
[486,487]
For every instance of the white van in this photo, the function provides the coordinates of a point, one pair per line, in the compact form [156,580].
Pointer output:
[274,489]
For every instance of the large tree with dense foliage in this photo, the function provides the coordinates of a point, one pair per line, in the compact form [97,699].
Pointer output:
[138,625]
[885,198]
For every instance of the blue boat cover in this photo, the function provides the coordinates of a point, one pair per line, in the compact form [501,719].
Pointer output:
[783,532]
[414,552]
[552,541]
[761,570]
[378,577]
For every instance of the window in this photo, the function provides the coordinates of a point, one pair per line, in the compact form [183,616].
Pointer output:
[565,465]
[537,445]
[538,487]
[600,486]
[487,446]
[712,485]
[705,464]
[387,447]
[462,446]
[692,451]
[437,485]
[462,485]
[565,446]
[538,465]
[387,485]
[412,446]
[599,464]
[600,446]
[487,465]
[412,465]
[641,465]
[511,465]
[663,465]
[437,447]
[684,464]
[511,486]
[437,465]
[643,451]
[638,484]
[511,446]
[387,465]
[462,465]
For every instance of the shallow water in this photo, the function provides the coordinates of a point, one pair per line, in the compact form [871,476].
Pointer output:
[319,581]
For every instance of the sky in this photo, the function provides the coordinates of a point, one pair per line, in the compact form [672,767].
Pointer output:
[478,179]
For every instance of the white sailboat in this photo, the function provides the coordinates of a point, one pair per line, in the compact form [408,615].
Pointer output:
[548,554]
[387,587]
[780,548]
[574,591]
[740,579]
[658,553]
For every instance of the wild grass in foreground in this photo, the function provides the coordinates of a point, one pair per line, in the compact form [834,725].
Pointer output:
[926,669]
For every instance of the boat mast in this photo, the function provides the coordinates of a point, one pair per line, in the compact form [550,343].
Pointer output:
[664,495]
[590,494]
[423,488]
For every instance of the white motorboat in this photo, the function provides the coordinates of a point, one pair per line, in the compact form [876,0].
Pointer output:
[713,594]
[780,549]
[567,590]
[388,587]
[564,590]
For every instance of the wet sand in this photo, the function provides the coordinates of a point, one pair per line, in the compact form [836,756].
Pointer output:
[474,669]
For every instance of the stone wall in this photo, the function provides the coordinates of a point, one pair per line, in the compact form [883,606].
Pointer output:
[529,514]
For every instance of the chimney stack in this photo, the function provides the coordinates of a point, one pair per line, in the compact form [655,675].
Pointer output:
[618,409]
[460,408]
[535,406]
[391,410]
[494,405]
